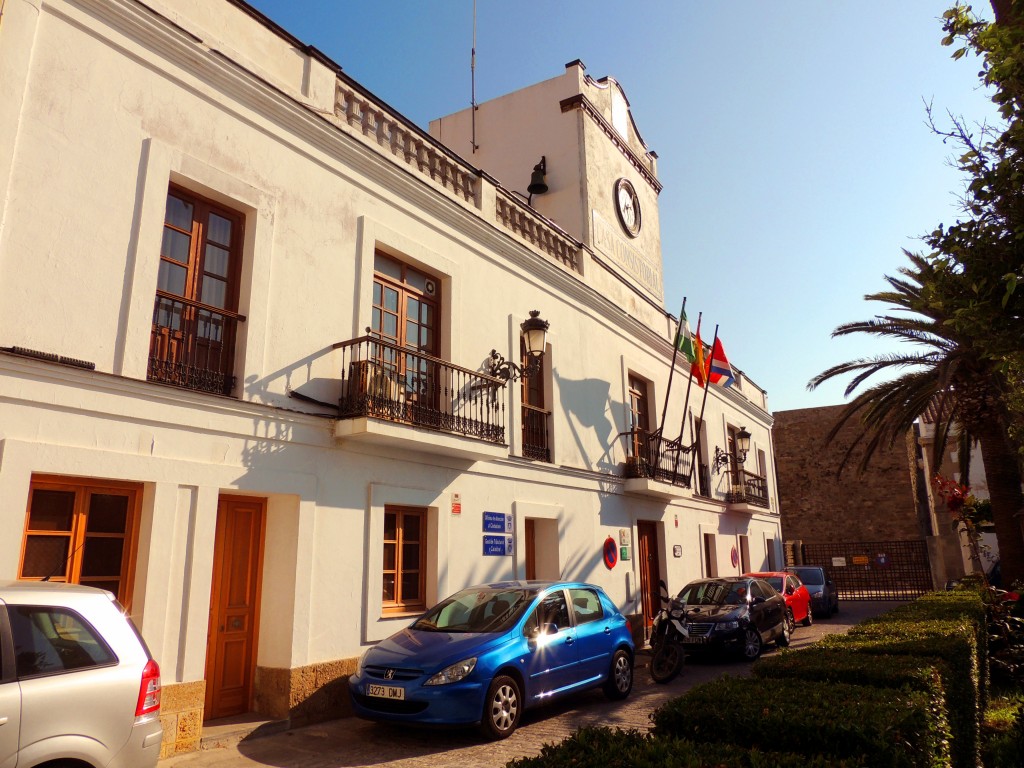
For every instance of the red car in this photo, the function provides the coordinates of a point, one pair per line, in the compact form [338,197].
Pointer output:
[798,599]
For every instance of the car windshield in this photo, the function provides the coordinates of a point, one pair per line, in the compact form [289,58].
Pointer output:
[714,593]
[775,581]
[811,576]
[477,610]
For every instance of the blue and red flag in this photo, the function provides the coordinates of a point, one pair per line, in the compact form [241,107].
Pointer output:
[720,371]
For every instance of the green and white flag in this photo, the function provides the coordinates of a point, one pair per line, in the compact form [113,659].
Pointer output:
[684,339]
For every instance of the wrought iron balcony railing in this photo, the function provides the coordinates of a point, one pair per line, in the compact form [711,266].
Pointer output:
[385,381]
[663,460]
[535,433]
[747,488]
[192,345]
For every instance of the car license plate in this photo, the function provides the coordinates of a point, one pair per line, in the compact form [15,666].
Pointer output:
[694,640]
[385,691]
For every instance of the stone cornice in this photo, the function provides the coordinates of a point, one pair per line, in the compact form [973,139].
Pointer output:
[582,103]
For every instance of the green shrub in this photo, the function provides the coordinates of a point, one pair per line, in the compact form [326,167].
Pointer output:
[951,641]
[886,728]
[959,607]
[832,665]
[605,748]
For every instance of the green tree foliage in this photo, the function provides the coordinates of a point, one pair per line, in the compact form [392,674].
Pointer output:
[961,304]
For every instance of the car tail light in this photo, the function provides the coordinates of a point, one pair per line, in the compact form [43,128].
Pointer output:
[149,693]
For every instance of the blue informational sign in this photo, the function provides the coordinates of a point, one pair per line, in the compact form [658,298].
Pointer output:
[497,522]
[498,546]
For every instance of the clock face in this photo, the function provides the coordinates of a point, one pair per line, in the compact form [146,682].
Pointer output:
[627,205]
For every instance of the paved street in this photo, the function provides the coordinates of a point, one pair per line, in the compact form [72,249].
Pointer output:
[354,742]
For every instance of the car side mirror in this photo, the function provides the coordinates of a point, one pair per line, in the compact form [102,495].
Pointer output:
[790,591]
[757,600]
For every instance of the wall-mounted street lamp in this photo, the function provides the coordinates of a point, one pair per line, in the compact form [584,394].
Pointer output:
[722,458]
[535,332]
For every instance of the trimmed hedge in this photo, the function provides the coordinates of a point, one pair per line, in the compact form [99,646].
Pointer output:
[960,606]
[832,665]
[952,642]
[604,748]
[886,728]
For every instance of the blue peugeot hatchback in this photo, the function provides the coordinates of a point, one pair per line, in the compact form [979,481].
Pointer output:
[485,654]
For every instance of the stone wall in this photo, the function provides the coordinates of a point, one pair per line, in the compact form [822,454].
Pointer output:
[817,505]
[305,694]
[181,714]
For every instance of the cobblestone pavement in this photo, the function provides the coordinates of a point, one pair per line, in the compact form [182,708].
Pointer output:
[352,742]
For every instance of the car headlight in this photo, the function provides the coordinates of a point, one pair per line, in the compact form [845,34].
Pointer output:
[727,626]
[817,595]
[453,673]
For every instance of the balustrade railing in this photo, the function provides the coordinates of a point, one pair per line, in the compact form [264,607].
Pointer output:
[404,142]
[666,461]
[518,217]
[389,382]
[192,345]
[417,150]
[747,488]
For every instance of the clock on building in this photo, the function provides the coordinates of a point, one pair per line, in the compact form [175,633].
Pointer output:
[627,206]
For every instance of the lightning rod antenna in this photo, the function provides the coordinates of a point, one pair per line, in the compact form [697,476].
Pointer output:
[472,80]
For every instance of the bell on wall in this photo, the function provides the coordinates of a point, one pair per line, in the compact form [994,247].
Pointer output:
[537,184]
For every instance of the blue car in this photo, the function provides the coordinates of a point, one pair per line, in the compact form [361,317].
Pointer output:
[485,654]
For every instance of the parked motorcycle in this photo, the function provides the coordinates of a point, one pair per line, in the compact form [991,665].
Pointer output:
[667,633]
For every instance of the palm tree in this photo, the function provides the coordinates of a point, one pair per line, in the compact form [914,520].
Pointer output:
[968,388]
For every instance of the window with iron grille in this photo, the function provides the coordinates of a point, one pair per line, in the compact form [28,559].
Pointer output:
[405,314]
[536,418]
[195,315]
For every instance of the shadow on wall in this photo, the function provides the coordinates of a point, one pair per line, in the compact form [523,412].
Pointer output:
[588,406]
[317,392]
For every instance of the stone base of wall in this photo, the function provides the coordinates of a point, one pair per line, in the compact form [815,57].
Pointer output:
[181,714]
[305,694]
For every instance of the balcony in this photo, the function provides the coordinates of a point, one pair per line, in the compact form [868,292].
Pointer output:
[402,398]
[658,468]
[747,491]
[192,345]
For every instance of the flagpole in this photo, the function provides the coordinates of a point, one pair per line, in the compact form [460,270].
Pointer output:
[671,373]
[707,384]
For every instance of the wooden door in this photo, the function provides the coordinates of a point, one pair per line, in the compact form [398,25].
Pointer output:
[531,549]
[650,570]
[234,606]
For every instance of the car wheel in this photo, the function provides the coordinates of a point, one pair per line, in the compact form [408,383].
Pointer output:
[752,644]
[809,618]
[620,677]
[503,708]
[788,625]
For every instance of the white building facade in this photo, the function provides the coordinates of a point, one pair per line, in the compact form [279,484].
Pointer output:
[246,317]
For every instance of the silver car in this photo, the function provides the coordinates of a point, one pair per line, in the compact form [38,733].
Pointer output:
[77,682]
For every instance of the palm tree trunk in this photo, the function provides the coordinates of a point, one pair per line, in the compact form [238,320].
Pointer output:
[1002,473]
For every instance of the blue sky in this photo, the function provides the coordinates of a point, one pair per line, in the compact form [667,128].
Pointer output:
[791,138]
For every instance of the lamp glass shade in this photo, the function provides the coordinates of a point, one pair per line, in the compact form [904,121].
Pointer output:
[535,331]
[743,441]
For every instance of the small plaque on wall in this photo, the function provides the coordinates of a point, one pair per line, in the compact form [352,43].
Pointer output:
[677,550]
